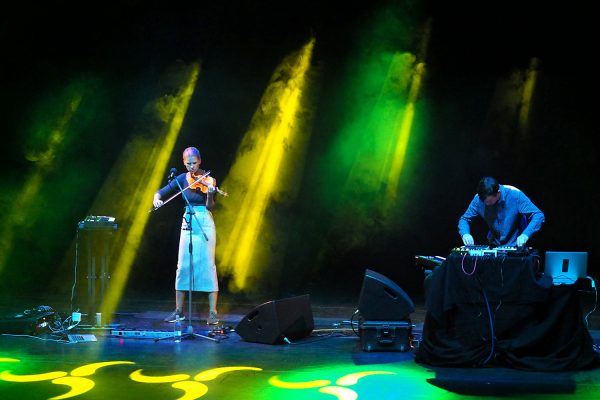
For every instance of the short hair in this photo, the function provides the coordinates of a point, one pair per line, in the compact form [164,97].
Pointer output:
[487,186]
[191,151]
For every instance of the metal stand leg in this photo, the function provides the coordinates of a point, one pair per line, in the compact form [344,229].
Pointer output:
[91,278]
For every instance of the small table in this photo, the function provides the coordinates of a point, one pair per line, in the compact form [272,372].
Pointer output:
[501,310]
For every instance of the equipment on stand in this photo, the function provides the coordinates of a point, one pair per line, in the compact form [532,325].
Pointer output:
[428,263]
[98,233]
[499,251]
[92,222]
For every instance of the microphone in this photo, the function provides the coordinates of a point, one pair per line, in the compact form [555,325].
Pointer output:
[172,174]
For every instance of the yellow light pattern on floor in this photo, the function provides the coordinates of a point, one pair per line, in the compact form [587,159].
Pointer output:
[352,379]
[275,381]
[137,376]
[76,383]
[340,392]
[211,374]
[193,389]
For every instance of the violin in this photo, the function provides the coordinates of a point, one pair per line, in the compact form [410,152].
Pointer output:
[202,182]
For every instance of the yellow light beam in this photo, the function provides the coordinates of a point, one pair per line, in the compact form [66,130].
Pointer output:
[407,118]
[380,123]
[527,95]
[24,202]
[143,182]
[286,98]
[255,204]
[262,156]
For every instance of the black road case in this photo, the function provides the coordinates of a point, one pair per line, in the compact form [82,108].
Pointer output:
[385,335]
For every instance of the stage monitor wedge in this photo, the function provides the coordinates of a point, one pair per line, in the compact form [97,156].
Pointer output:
[383,300]
[275,320]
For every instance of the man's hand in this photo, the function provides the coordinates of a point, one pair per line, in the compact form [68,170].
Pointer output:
[521,240]
[156,201]
[468,240]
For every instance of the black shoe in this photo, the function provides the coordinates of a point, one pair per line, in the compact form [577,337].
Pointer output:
[173,316]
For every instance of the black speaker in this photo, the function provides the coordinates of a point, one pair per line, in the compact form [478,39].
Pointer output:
[383,300]
[275,320]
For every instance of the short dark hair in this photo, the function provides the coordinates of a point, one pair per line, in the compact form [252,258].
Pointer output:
[487,186]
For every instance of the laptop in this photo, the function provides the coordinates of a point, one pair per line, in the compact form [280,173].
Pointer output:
[565,267]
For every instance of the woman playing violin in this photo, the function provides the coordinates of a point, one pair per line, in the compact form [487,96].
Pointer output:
[200,192]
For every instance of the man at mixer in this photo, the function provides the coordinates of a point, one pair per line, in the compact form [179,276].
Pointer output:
[511,216]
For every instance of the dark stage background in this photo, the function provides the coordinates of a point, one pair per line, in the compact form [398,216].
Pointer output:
[129,45]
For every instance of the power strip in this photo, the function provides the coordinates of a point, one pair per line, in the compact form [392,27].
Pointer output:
[142,334]
[80,338]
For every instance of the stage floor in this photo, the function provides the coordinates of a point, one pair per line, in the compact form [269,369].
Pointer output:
[329,364]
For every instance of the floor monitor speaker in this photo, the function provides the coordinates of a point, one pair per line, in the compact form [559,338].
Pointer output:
[275,320]
[383,300]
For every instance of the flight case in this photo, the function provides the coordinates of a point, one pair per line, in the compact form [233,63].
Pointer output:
[385,335]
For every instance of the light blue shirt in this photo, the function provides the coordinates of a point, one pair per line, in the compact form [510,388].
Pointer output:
[505,219]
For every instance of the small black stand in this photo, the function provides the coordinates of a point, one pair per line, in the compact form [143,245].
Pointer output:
[99,230]
[191,214]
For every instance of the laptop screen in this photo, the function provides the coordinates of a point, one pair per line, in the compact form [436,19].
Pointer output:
[565,267]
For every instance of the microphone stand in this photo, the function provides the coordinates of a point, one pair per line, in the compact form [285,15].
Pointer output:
[191,213]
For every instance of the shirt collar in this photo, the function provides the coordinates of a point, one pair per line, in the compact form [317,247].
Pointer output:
[502,193]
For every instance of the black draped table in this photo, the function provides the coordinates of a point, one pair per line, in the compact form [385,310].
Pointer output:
[500,310]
